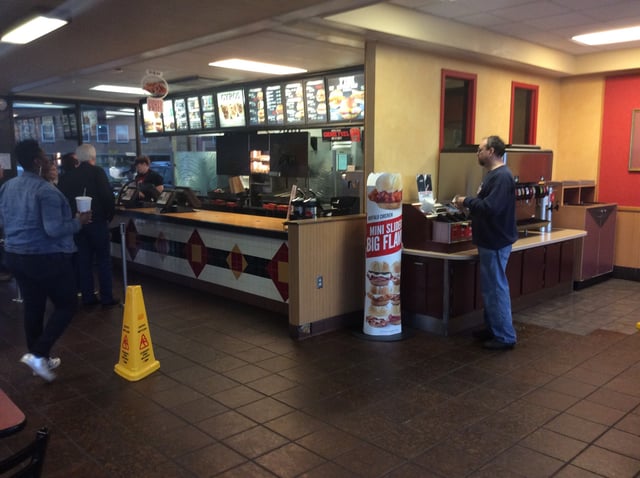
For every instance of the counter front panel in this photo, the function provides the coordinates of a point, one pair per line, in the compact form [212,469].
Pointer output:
[229,256]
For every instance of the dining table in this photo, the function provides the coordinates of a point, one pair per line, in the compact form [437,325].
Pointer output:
[12,419]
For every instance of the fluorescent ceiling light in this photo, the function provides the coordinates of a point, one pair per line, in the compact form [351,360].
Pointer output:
[257,66]
[32,29]
[607,37]
[119,113]
[46,105]
[126,90]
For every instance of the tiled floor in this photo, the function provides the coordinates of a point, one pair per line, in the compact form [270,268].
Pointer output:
[236,397]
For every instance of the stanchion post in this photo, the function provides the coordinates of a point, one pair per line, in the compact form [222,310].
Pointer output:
[123,253]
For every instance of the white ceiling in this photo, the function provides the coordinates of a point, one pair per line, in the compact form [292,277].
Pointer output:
[117,41]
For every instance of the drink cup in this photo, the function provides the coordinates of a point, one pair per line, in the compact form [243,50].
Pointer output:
[83,203]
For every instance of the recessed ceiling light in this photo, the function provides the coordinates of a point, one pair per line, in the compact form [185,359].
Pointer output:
[619,35]
[32,29]
[257,66]
[126,90]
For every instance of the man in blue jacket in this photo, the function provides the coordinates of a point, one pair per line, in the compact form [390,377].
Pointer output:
[39,229]
[93,241]
[493,222]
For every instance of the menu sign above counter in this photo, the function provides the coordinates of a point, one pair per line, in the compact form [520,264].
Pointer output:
[316,100]
[256,105]
[208,112]
[231,108]
[275,108]
[346,97]
[180,109]
[195,120]
[152,120]
[295,103]
[333,100]
[168,117]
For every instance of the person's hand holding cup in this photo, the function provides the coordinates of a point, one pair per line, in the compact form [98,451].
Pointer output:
[83,205]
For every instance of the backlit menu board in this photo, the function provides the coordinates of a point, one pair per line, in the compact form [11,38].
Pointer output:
[180,109]
[168,116]
[152,120]
[231,108]
[295,103]
[316,100]
[208,111]
[256,105]
[275,108]
[193,105]
[346,97]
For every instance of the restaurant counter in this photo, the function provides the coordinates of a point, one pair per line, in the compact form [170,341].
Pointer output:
[441,291]
[259,260]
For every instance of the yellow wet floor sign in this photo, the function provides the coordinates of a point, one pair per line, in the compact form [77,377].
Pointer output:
[136,351]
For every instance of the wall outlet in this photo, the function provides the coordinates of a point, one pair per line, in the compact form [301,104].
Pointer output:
[319,282]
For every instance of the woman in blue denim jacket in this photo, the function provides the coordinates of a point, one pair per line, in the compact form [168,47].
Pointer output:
[39,227]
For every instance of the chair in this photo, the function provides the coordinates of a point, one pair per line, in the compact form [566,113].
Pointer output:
[28,462]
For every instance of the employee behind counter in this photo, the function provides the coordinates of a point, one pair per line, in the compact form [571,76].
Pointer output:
[149,183]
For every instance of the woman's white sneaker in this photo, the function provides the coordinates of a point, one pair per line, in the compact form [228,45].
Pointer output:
[41,366]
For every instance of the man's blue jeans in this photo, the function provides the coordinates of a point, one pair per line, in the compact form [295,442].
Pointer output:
[495,293]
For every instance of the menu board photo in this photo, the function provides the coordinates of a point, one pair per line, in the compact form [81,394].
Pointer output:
[208,111]
[168,116]
[152,121]
[231,108]
[255,99]
[295,103]
[193,106]
[316,100]
[346,97]
[275,108]
[180,108]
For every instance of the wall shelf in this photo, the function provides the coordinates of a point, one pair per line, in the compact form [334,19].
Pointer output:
[578,192]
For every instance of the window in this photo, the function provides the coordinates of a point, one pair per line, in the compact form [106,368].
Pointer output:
[524,113]
[457,111]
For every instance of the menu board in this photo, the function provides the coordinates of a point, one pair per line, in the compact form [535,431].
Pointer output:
[90,117]
[346,97]
[295,103]
[180,108]
[208,111]
[316,101]
[255,98]
[231,108]
[69,124]
[319,100]
[275,108]
[168,116]
[195,120]
[152,121]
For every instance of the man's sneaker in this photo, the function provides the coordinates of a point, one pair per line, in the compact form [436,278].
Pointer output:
[53,362]
[40,366]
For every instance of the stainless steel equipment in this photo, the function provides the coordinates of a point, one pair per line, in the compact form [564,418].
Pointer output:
[460,173]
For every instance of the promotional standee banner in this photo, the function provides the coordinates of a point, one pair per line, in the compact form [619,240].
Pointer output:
[384,254]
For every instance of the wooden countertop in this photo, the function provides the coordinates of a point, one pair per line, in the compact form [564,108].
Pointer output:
[201,216]
[234,221]
[533,239]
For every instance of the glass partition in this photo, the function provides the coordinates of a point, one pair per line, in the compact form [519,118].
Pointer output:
[220,168]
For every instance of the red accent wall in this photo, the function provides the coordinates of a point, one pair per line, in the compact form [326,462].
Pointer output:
[615,182]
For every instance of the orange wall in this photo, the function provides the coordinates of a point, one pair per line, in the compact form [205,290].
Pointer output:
[616,183]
